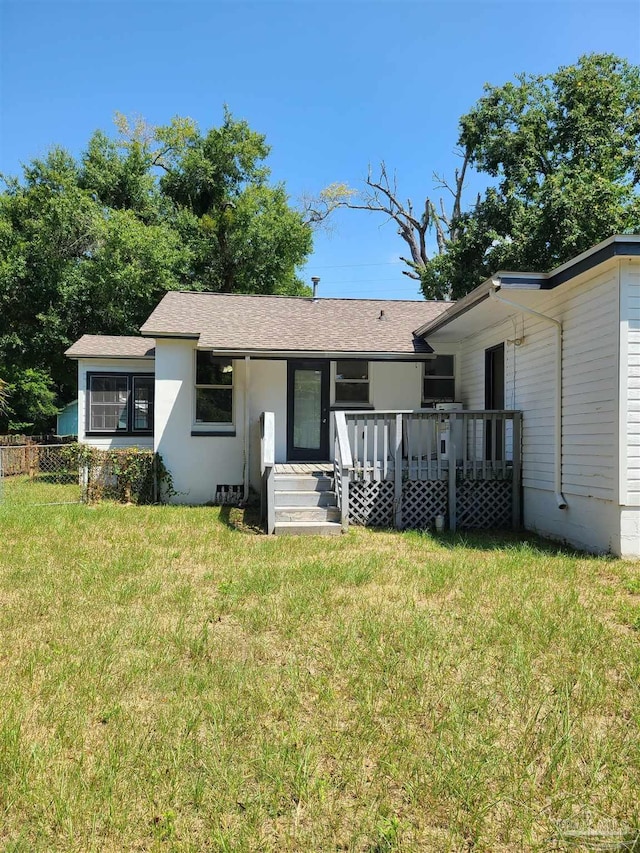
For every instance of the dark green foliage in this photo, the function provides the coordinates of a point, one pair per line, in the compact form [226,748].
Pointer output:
[90,246]
[128,475]
[563,153]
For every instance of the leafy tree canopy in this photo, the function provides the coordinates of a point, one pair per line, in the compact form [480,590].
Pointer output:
[90,245]
[564,151]
[561,154]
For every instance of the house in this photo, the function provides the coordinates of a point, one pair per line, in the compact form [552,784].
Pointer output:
[521,401]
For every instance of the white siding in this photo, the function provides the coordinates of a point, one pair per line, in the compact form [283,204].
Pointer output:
[630,383]
[108,365]
[588,310]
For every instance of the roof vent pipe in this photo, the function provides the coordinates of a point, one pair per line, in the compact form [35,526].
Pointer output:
[315,280]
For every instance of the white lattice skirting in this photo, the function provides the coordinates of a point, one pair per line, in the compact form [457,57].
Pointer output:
[422,501]
[480,504]
[371,504]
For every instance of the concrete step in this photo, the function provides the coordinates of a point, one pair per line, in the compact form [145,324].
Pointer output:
[305,513]
[308,528]
[304,498]
[303,483]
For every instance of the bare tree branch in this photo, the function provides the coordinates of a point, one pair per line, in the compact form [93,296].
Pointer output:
[460,176]
[381,196]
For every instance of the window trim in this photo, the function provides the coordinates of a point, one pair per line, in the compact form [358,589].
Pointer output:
[220,427]
[352,404]
[130,430]
[430,401]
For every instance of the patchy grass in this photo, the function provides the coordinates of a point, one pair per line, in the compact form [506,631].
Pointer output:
[54,488]
[172,683]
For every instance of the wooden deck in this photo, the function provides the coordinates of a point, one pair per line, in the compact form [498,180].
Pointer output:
[304,468]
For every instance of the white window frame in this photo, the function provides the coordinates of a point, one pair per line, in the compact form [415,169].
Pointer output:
[429,401]
[219,425]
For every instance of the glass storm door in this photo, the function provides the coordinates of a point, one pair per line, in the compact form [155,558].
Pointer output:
[308,411]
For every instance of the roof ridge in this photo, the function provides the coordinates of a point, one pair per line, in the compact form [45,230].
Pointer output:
[309,298]
[100,335]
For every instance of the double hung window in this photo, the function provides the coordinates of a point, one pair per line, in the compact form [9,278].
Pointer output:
[214,389]
[120,402]
[439,380]
[352,383]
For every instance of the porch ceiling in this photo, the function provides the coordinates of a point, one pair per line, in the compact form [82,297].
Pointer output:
[485,314]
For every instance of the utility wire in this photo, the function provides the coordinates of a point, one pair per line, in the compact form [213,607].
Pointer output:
[343,266]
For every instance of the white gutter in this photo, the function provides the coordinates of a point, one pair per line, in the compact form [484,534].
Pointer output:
[560,499]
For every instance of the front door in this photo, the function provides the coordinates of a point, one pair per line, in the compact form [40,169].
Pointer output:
[308,411]
[494,399]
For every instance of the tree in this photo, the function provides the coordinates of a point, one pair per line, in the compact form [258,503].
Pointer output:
[381,196]
[243,235]
[565,152]
[562,153]
[91,245]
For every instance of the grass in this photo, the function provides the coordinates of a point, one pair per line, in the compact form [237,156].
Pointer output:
[54,488]
[172,683]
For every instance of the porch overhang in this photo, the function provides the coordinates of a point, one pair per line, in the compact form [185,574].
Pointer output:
[527,284]
[485,314]
[332,355]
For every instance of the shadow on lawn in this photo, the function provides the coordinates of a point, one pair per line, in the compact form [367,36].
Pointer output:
[244,519]
[247,520]
[500,540]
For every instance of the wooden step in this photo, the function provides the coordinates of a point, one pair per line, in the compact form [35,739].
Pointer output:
[302,483]
[308,528]
[302,514]
[304,498]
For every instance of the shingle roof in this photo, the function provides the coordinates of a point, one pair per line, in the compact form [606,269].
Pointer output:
[112,346]
[242,323]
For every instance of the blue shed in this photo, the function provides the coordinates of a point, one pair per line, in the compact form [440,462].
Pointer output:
[67,420]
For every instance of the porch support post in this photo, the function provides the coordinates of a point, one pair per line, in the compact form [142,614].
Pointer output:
[516,486]
[397,473]
[452,454]
[271,500]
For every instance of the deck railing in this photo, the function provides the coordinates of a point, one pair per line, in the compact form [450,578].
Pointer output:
[267,469]
[428,445]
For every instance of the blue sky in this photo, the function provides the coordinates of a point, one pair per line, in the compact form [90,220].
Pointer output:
[333,85]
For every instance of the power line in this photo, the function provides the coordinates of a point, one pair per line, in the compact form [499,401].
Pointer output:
[344,266]
[357,281]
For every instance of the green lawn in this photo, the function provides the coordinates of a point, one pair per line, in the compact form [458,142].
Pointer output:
[168,682]
[55,488]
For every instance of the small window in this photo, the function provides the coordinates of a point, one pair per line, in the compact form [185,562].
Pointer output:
[142,403]
[439,380]
[352,382]
[120,402]
[214,389]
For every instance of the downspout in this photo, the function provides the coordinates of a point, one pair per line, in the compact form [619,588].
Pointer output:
[247,427]
[560,499]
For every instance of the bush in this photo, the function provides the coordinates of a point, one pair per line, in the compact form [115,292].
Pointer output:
[128,475]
